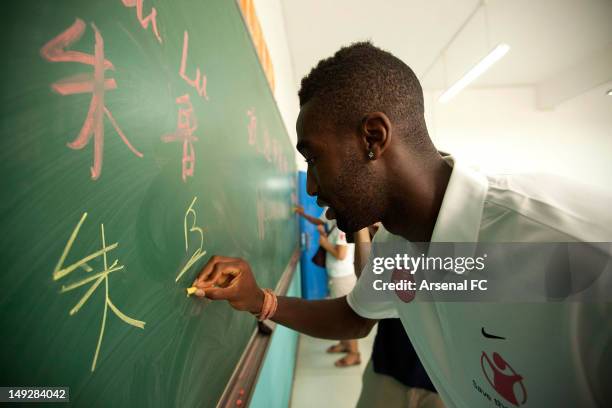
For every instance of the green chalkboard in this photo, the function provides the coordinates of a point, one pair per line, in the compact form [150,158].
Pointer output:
[138,138]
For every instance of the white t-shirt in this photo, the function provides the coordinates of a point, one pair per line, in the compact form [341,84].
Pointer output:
[551,354]
[335,267]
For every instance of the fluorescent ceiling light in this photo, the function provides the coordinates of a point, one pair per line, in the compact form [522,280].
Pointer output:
[484,64]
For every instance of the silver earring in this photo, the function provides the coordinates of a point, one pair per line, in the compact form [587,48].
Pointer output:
[371,155]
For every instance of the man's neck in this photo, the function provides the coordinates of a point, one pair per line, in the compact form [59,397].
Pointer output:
[415,198]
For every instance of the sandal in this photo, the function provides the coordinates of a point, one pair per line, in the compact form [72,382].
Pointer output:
[351,359]
[337,348]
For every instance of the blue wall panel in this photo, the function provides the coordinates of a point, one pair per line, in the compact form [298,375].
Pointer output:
[314,278]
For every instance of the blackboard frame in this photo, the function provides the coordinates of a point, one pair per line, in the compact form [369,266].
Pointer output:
[244,378]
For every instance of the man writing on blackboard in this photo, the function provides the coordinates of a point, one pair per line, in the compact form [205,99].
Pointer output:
[362,131]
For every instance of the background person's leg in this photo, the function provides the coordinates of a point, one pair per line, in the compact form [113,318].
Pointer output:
[342,286]
[422,398]
[353,357]
[381,391]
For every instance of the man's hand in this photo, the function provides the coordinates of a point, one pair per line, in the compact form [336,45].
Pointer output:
[321,230]
[230,279]
[299,209]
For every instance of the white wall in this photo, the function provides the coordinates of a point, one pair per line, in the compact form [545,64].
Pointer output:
[500,129]
[272,21]
[496,129]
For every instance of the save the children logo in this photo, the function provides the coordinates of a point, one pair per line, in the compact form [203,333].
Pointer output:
[503,378]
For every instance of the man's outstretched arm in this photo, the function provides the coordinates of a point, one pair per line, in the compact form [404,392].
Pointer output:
[231,279]
[327,319]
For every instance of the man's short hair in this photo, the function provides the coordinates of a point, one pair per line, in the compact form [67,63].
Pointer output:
[362,78]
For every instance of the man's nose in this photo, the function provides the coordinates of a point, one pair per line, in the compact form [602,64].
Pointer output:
[311,185]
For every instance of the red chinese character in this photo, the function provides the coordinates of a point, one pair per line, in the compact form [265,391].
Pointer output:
[252,127]
[186,125]
[199,83]
[144,21]
[267,148]
[56,51]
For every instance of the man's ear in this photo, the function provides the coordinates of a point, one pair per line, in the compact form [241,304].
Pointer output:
[376,132]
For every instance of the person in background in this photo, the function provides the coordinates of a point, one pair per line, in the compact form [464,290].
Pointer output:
[394,377]
[339,256]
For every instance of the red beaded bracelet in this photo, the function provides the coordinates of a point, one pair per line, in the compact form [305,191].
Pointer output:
[268,308]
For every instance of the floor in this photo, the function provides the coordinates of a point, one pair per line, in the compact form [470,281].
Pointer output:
[318,383]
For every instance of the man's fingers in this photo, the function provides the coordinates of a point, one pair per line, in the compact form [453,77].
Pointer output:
[220,293]
[221,279]
[232,270]
[221,274]
[227,274]
[208,269]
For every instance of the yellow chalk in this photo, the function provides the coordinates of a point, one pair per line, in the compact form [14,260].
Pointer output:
[191,290]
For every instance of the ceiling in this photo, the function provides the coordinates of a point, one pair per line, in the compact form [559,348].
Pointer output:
[547,37]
